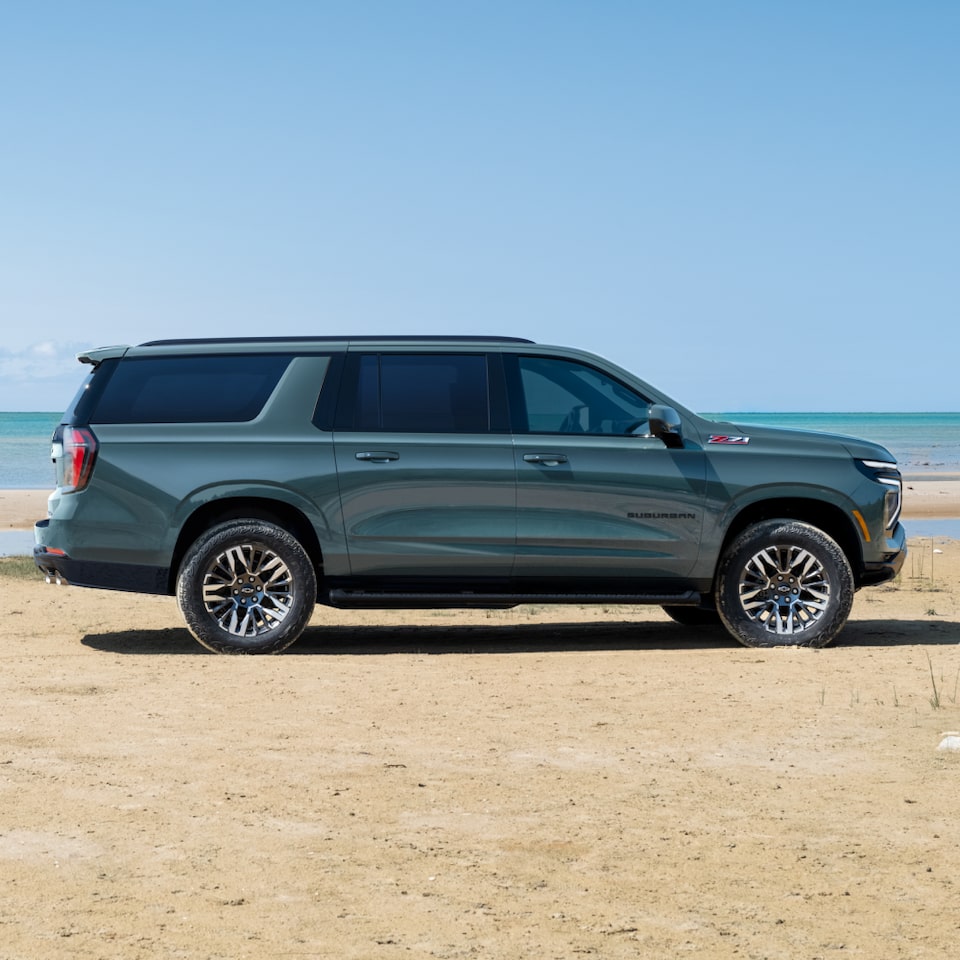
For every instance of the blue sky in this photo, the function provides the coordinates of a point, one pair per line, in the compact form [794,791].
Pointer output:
[753,205]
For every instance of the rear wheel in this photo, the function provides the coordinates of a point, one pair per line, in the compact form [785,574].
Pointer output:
[784,583]
[246,586]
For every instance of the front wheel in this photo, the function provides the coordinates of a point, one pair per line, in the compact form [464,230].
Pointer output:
[784,583]
[246,586]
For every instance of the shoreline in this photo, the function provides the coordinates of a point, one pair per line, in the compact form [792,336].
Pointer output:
[927,496]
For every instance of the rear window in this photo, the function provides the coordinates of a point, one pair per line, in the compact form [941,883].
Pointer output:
[205,389]
[78,411]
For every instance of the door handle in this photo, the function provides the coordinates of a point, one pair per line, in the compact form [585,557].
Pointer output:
[378,456]
[547,459]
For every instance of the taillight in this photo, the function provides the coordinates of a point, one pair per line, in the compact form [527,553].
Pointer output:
[79,455]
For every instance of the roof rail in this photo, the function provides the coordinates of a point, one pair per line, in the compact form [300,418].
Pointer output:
[405,338]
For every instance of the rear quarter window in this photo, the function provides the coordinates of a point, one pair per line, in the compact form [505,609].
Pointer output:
[222,389]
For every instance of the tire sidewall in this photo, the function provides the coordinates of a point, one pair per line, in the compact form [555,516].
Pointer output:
[793,533]
[214,542]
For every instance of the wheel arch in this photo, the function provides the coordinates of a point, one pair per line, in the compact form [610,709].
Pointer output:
[828,517]
[278,512]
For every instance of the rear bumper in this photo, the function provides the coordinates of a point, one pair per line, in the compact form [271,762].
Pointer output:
[131,578]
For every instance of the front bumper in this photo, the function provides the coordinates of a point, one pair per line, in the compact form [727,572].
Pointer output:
[891,561]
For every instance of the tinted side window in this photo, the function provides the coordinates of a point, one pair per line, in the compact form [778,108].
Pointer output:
[224,389]
[429,393]
[561,396]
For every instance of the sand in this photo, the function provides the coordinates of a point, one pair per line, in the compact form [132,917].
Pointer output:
[536,783]
[931,496]
[20,509]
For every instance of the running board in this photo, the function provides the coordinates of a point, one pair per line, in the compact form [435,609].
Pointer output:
[357,599]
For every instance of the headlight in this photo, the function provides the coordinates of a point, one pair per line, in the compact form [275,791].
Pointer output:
[886,473]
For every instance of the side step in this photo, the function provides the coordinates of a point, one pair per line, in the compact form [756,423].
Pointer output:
[385,600]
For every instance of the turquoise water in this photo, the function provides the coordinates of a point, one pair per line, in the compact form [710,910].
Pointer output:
[921,442]
[25,450]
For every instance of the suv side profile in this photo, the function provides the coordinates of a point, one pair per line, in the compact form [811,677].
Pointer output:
[253,478]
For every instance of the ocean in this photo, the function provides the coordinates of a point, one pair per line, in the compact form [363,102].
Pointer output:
[921,442]
[25,450]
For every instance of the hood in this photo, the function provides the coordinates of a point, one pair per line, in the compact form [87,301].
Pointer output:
[795,441]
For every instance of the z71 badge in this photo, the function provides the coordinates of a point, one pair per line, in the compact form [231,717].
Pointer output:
[724,438]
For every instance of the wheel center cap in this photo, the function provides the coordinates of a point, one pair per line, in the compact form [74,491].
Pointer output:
[247,591]
[782,590]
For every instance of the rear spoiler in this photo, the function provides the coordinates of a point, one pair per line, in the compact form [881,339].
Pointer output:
[99,354]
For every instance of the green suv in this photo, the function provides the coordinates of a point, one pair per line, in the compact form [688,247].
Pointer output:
[251,478]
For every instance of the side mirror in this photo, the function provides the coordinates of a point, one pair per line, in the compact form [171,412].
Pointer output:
[665,423]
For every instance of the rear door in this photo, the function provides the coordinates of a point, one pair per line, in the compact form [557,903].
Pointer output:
[425,466]
[597,497]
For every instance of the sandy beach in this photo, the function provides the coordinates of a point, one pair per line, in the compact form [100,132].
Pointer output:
[931,496]
[534,783]
[20,509]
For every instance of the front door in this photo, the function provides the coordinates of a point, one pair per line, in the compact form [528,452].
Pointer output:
[597,498]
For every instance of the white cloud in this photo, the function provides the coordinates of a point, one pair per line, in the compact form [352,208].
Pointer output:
[45,360]
[42,376]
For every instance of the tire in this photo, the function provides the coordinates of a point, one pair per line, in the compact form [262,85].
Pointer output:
[693,616]
[784,583]
[246,586]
